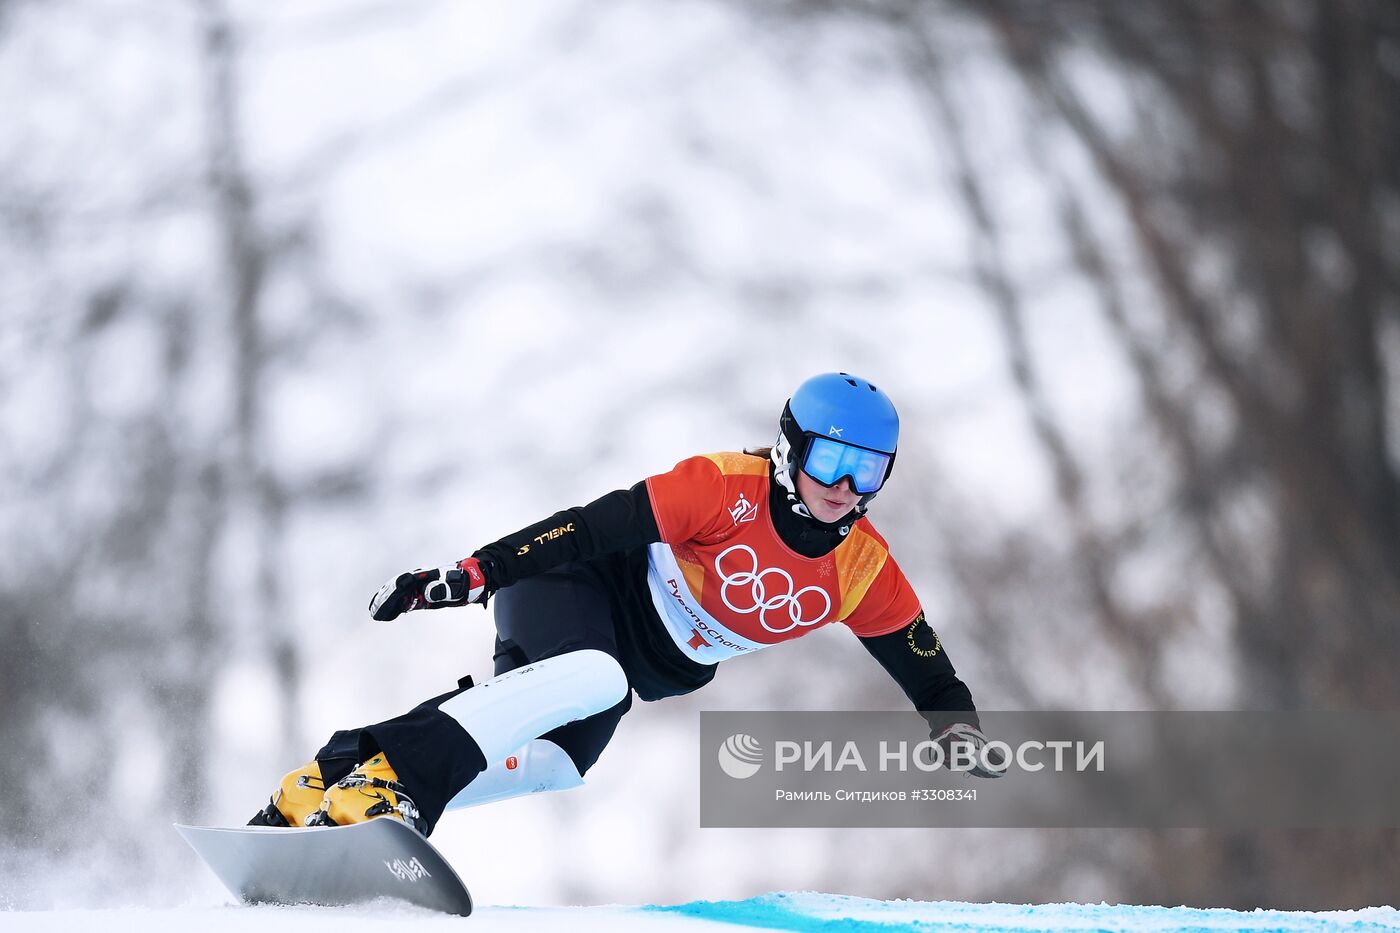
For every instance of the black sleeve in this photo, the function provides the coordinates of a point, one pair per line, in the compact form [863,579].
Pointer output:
[915,658]
[619,521]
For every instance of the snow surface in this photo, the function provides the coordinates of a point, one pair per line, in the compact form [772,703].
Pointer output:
[807,912]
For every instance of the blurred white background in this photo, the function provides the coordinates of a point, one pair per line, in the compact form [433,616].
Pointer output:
[295,298]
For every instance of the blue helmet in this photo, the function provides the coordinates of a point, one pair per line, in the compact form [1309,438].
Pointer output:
[837,425]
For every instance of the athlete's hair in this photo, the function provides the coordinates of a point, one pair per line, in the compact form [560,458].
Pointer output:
[765,452]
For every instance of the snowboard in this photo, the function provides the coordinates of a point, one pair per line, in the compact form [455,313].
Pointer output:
[330,865]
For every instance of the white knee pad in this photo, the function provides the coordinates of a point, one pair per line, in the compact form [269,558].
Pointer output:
[505,712]
[538,767]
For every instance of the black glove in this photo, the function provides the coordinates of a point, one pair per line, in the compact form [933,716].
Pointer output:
[458,585]
[960,734]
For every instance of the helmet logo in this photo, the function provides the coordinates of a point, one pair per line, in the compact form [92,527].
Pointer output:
[835,431]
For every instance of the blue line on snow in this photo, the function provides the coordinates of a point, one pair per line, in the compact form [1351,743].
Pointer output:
[765,914]
[813,913]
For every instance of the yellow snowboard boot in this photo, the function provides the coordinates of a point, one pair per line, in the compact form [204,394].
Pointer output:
[371,790]
[296,798]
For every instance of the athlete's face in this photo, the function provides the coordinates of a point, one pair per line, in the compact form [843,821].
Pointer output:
[826,503]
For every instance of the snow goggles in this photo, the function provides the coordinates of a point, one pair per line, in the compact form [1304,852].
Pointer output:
[826,461]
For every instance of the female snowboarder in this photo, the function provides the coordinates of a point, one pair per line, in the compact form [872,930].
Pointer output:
[645,591]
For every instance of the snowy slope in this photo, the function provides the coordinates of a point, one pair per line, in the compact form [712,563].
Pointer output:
[806,912]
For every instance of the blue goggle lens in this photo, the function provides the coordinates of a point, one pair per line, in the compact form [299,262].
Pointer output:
[827,461]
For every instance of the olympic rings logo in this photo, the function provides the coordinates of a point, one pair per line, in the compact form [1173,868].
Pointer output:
[758,596]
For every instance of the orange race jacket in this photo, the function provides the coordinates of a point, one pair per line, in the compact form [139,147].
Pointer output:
[708,561]
[724,584]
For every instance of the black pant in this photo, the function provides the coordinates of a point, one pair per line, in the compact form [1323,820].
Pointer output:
[566,609]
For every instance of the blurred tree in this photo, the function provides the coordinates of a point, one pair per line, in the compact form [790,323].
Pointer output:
[1261,177]
[137,462]
[248,250]
[1258,169]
